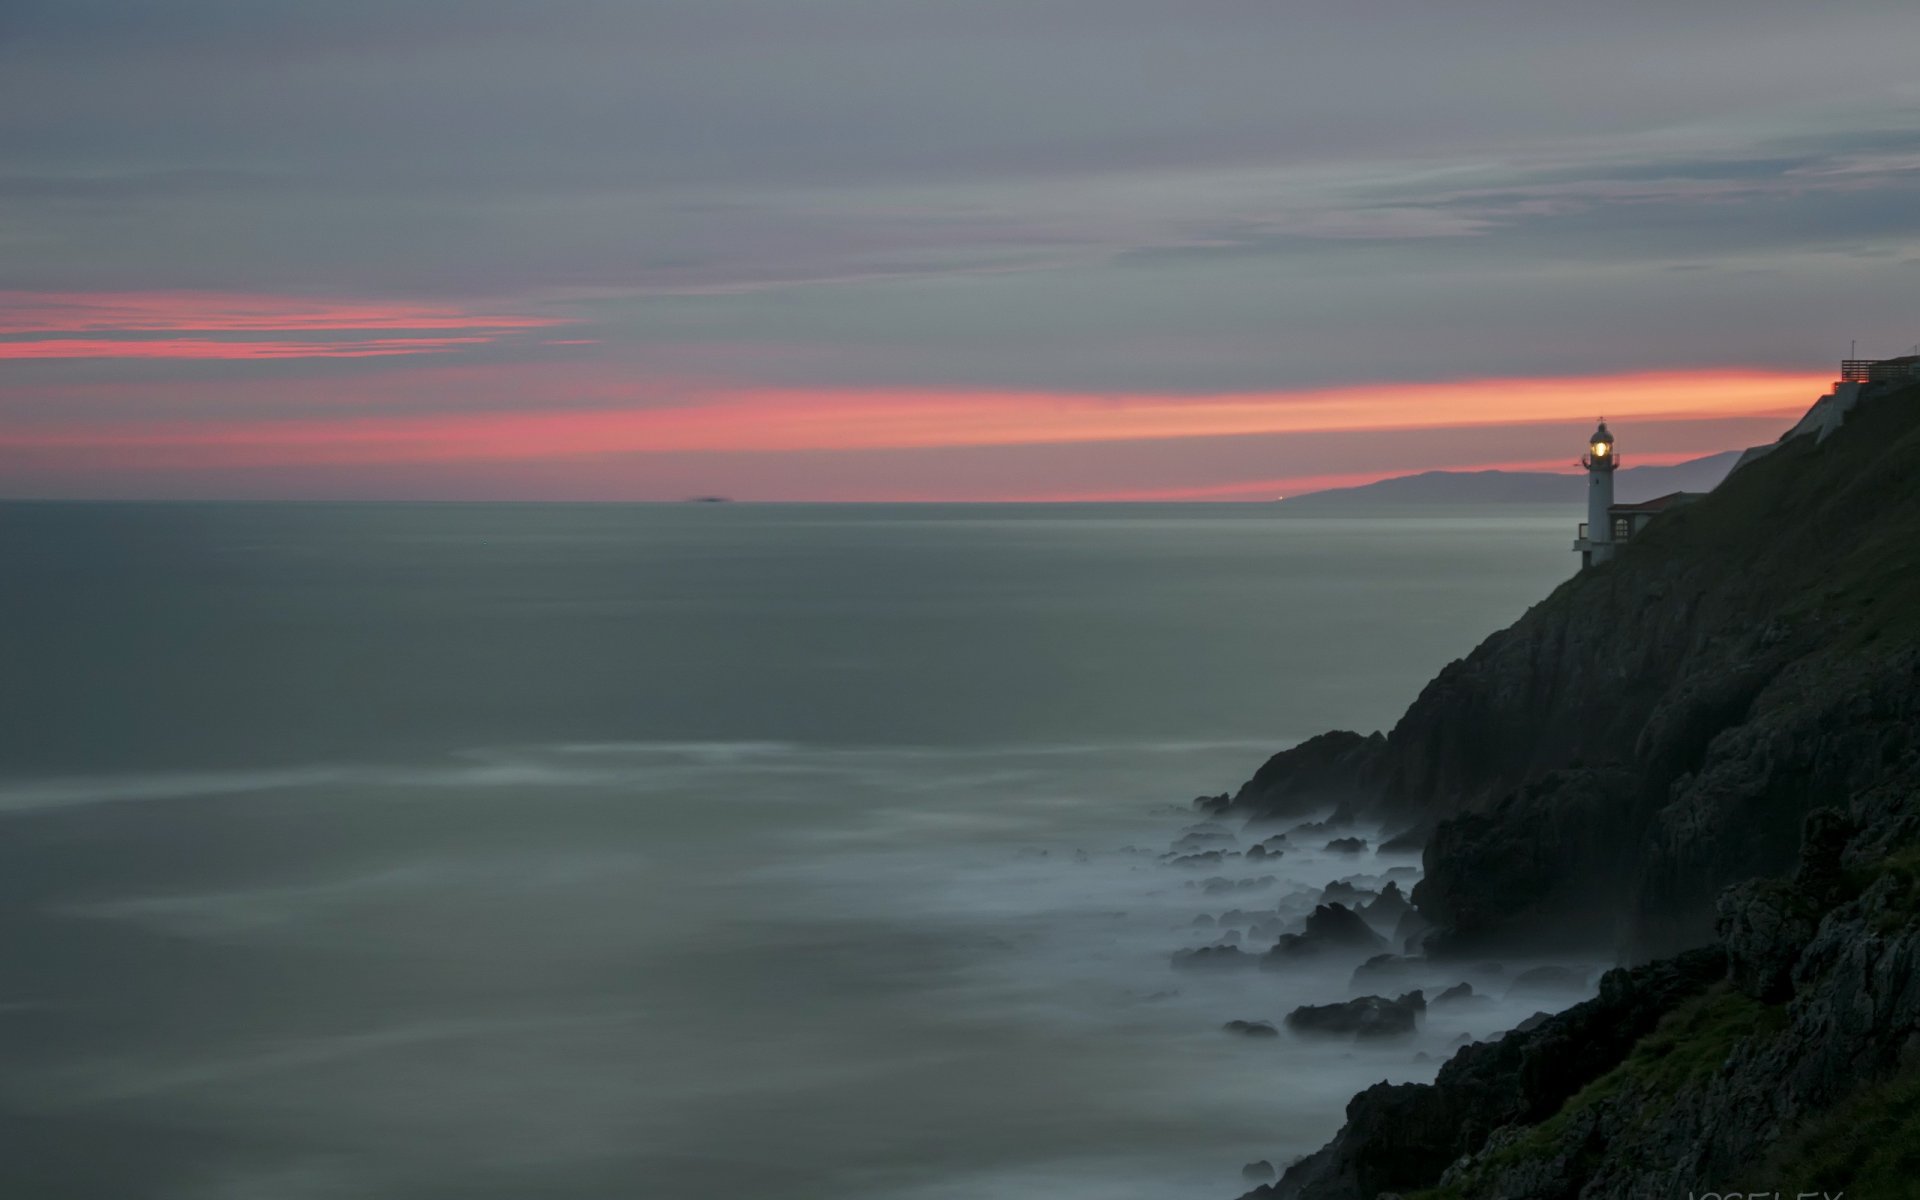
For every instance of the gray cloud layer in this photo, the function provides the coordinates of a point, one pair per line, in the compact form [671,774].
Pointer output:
[1102,194]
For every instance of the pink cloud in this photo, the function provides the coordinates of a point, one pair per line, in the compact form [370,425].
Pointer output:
[228,312]
[205,348]
[802,421]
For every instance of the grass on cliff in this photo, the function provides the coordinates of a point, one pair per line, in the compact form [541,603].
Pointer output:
[1868,1147]
[1687,1045]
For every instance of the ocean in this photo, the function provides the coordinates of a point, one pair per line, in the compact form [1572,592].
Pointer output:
[683,851]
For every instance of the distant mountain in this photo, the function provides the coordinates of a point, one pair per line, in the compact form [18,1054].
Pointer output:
[1522,487]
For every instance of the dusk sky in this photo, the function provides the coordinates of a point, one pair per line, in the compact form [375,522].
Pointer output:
[930,249]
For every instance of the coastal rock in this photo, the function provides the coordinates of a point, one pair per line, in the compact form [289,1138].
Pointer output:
[1401,1137]
[1765,924]
[1208,958]
[1410,931]
[1220,884]
[1366,1017]
[1329,770]
[1347,845]
[1331,927]
[1342,892]
[1252,1029]
[1203,835]
[1461,995]
[1409,840]
[1383,969]
[1385,911]
[1775,1088]
[1543,868]
[1257,1172]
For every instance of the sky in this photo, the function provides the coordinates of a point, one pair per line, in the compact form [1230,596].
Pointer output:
[930,249]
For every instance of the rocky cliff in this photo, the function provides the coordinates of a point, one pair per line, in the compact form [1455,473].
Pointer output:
[1657,728]
[1708,749]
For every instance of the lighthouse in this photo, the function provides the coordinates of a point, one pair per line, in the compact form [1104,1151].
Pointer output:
[1608,525]
[1600,463]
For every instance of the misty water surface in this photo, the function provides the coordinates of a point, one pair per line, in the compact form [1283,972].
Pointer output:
[474,851]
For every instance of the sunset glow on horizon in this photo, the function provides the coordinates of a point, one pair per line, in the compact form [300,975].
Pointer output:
[643,252]
[361,421]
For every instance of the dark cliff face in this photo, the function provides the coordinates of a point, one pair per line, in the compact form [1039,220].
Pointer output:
[1657,728]
[1780,1060]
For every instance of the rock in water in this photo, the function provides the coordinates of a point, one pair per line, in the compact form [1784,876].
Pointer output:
[1212,804]
[1382,969]
[1461,995]
[1344,892]
[1331,927]
[1253,1029]
[1367,1017]
[1210,957]
[1257,1172]
[1347,845]
[1333,768]
[1208,834]
[1384,911]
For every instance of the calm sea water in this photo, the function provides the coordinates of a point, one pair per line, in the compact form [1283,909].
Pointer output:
[681,851]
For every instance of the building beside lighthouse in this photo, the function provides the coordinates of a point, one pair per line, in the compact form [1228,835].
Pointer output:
[1609,525]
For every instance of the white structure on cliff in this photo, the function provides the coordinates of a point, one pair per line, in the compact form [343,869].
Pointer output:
[1609,524]
[1595,542]
[1858,377]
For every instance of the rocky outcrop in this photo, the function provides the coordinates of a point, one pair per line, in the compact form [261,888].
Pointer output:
[1385,911]
[1326,772]
[1543,868]
[1403,1136]
[1710,1069]
[1721,1090]
[1460,995]
[1330,928]
[1364,1017]
[1252,1029]
[1209,958]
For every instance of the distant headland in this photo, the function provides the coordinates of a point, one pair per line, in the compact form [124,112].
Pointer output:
[1518,487]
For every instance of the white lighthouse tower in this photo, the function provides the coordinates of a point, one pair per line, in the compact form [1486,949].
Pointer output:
[1600,463]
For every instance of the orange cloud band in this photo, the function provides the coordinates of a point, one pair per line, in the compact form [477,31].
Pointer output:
[794,420]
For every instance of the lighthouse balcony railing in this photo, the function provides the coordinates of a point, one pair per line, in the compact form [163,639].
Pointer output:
[1583,531]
